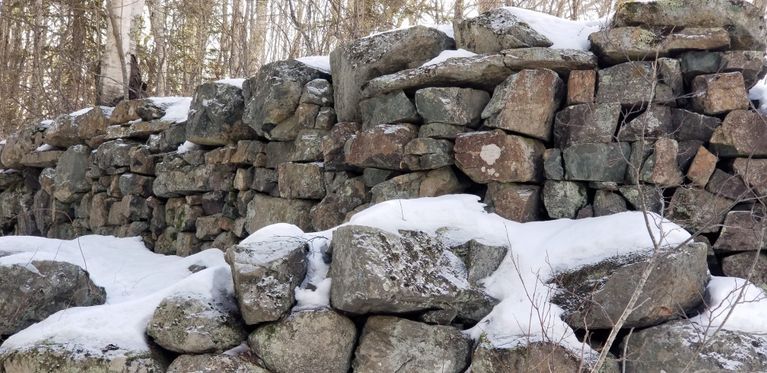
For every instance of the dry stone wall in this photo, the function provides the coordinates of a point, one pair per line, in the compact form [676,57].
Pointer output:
[656,116]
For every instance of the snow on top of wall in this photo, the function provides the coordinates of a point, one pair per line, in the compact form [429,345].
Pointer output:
[564,33]
[448,54]
[187,146]
[236,82]
[735,303]
[176,108]
[321,63]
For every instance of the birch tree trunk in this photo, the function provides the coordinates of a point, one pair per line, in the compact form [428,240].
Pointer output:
[124,17]
[158,17]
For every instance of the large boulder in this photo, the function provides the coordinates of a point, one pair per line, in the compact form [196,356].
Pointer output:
[356,63]
[215,115]
[496,30]
[525,103]
[191,324]
[373,271]
[496,156]
[175,177]
[272,98]
[742,134]
[682,346]
[70,180]
[18,144]
[55,285]
[389,344]
[743,20]
[623,44]
[595,296]
[306,341]
[209,363]
[265,275]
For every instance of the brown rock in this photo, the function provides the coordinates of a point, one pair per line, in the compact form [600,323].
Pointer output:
[301,180]
[586,123]
[728,186]
[753,172]
[581,86]
[517,202]
[742,134]
[719,93]
[702,167]
[742,231]
[496,156]
[662,168]
[526,103]
[333,145]
[698,210]
[382,146]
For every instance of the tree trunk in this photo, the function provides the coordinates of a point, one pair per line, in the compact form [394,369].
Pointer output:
[157,17]
[124,17]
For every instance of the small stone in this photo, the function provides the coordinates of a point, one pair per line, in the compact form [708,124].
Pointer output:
[211,363]
[631,84]
[391,108]
[608,203]
[581,86]
[441,131]
[654,123]
[702,167]
[740,265]
[690,126]
[552,165]
[455,106]
[719,93]
[300,180]
[662,168]
[753,172]
[563,199]
[729,186]
[698,210]
[742,231]
[427,154]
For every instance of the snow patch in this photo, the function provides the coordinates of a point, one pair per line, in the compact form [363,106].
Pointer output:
[564,33]
[176,108]
[187,146]
[759,93]
[321,63]
[235,82]
[448,54]
[734,304]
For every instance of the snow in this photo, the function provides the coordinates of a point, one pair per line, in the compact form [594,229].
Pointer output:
[321,63]
[236,82]
[81,112]
[564,33]
[136,281]
[187,146]
[448,54]
[733,304]
[176,108]
[445,28]
[759,93]
[44,148]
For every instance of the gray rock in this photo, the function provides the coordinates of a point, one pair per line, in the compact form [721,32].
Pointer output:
[698,210]
[300,180]
[594,296]
[18,144]
[526,103]
[534,357]
[132,110]
[168,140]
[84,127]
[265,275]
[729,186]
[553,168]
[265,210]
[273,95]
[113,155]
[742,231]
[624,44]
[215,115]
[308,146]
[441,131]
[56,286]
[390,108]
[67,359]
[175,177]
[481,260]
[753,172]
[563,61]
[597,162]
[480,72]
[318,92]
[456,106]
[433,183]
[643,197]
[744,21]
[631,84]
[427,154]
[563,199]
[41,159]
[662,168]
[70,180]
[749,63]
[190,324]
[586,123]
[283,346]
[356,63]
[496,156]
[389,344]
[332,210]
[221,363]
[334,143]
[496,30]
[608,203]
[679,346]
[653,123]
[693,126]
[744,264]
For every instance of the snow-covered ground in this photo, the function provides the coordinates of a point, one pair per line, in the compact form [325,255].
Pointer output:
[136,280]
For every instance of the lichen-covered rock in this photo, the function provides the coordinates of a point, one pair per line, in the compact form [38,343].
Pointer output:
[608,203]
[702,167]
[743,20]
[533,357]
[175,177]
[595,296]
[334,143]
[375,271]
[753,172]
[481,259]
[563,199]
[306,341]
[714,94]
[272,97]
[112,156]
[661,167]
[433,183]
[742,134]
[221,363]
[517,202]
[382,146]
[451,105]
[631,84]
[332,210]
[55,285]
[356,63]
[427,154]
[41,159]
[679,346]
[215,115]
[525,103]
[300,180]
[82,127]
[597,162]
[496,30]
[586,123]
[563,61]
[553,168]
[581,87]
[698,210]
[390,108]
[19,144]
[264,210]
[265,275]
[742,231]
[744,264]
[70,180]
[497,156]
[190,324]
[66,359]
[131,110]
[388,344]
[624,44]
[655,122]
